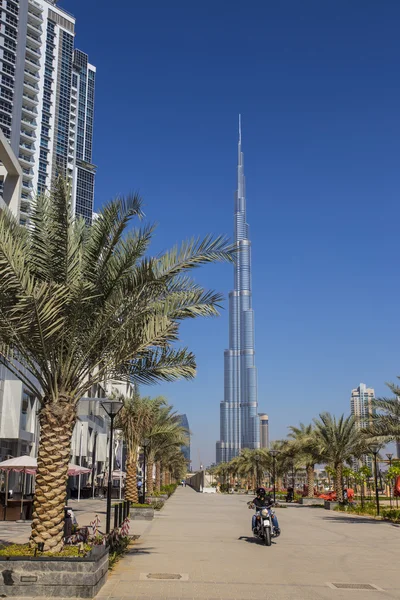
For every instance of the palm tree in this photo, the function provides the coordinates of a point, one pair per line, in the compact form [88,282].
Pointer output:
[164,432]
[337,441]
[222,472]
[306,450]
[134,419]
[253,463]
[81,304]
[386,424]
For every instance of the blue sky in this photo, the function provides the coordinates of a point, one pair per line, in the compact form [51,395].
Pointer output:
[318,88]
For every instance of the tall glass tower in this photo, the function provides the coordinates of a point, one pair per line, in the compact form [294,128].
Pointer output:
[239,423]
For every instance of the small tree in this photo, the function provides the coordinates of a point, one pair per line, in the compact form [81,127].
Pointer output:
[337,440]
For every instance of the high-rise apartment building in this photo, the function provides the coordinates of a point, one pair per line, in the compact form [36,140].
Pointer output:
[361,404]
[186,448]
[239,422]
[362,410]
[264,430]
[46,100]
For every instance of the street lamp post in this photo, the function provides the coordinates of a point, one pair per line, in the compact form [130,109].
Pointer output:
[274,454]
[257,459]
[112,408]
[375,449]
[145,443]
[389,456]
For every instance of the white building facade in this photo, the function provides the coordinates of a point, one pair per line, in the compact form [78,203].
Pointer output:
[46,100]
[362,410]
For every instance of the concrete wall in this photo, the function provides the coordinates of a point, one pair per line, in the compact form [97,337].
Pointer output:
[196,481]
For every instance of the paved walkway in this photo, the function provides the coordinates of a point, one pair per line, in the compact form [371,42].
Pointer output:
[206,539]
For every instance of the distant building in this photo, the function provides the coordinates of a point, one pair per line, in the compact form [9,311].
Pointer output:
[264,430]
[239,423]
[186,449]
[362,409]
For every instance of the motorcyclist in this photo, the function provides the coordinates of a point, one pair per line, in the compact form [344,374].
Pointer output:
[263,500]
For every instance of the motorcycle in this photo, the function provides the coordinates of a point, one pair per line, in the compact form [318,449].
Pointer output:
[264,529]
[289,496]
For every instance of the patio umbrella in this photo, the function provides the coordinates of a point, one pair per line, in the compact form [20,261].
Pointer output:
[24,464]
[28,464]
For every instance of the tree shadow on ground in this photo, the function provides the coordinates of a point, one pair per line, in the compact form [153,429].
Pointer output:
[139,550]
[358,519]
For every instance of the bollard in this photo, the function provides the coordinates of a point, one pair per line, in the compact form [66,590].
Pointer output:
[67,522]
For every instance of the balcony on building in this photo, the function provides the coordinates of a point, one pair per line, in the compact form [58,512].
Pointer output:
[29,123]
[29,110]
[34,26]
[27,172]
[31,75]
[27,185]
[11,7]
[24,159]
[30,85]
[34,15]
[28,136]
[27,147]
[33,39]
[31,99]
[32,63]
[34,51]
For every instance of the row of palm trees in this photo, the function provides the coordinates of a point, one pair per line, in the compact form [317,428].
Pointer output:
[84,304]
[335,442]
[150,425]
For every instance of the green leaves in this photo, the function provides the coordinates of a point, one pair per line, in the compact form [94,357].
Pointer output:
[81,303]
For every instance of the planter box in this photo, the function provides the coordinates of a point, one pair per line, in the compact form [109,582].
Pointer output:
[142,514]
[330,505]
[54,577]
[312,501]
[157,498]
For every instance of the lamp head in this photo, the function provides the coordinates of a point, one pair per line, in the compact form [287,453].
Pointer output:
[374,448]
[111,407]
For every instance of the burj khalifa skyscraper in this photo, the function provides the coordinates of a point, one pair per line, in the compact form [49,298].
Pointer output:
[239,422]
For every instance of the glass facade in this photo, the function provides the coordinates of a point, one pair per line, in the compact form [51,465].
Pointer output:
[239,422]
[84,87]
[64,83]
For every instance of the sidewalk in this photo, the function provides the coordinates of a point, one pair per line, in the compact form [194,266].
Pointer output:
[200,546]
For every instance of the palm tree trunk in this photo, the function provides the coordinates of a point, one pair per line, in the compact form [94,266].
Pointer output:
[338,482]
[158,476]
[56,426]
[310,481]
[149,483]
[131,490]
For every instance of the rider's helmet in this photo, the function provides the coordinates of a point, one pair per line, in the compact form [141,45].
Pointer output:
[260,491]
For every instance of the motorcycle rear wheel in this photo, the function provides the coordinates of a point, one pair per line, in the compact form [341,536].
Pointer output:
[267,536]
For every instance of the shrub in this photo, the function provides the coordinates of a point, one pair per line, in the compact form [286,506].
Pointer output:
[156,504]
[369,508]
[27,550]
[169,489]
[391,514]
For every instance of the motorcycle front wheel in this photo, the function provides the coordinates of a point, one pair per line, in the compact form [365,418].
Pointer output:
[267,536]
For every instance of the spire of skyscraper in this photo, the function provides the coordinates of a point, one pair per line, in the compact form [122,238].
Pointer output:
[239,424]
